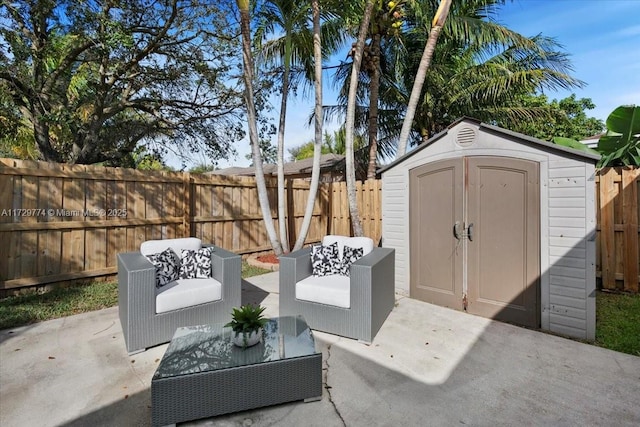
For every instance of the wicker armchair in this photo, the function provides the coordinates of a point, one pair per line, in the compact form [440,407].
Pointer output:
[142,325]
[371,292]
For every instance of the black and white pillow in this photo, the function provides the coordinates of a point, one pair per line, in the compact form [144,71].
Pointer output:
[349,256]
[195,264]
[325,260]
[167,267]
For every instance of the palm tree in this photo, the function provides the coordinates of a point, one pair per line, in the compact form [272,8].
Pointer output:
[350,122]
[384,30]
[247,74]
[295,52]
[480,69]
[425,61]
[291,17]
[317,146]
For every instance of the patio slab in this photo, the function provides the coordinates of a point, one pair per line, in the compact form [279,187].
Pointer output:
[428,365]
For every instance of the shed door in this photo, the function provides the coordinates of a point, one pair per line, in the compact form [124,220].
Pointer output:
[435,205]
[489,263]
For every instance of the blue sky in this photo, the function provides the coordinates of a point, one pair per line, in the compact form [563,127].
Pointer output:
[602,36]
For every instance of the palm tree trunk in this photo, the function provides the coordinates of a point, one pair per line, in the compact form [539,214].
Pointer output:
[282,223]
[317,143]
[425,61]
[374,95]
[247,74]
[350,121]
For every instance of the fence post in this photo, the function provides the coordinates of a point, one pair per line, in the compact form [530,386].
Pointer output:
[607,228]
[187,188]
[630,221]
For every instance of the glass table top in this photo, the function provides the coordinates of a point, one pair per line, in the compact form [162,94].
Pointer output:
[205,348]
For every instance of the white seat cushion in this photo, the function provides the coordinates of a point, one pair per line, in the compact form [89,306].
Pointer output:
[184,293]
[331,290]
[353,242]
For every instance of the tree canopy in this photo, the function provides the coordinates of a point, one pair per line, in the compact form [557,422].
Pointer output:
[565,118]
[93,80]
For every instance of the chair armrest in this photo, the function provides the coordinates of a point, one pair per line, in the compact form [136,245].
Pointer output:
[375,257]
[226,268]
[373,272]
[297,264]
[294,267]
[134,261]
[136,286]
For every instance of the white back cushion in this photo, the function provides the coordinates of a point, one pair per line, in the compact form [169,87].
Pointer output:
[330,239]
[353,242]
[177,245]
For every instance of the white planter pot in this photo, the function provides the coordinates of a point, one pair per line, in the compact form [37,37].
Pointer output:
[251,339]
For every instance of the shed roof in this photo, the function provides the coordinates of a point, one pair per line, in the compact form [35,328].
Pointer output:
[521,138]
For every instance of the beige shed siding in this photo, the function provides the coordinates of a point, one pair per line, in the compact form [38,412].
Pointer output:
[567,215]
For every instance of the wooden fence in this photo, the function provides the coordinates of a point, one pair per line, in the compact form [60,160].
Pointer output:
[61,222]
[618,232]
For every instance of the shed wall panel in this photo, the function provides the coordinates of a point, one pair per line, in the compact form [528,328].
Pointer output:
[395,190]
[566,315]
[565,330]
[577,302]
[568,261]
[559,251]
[568,246]
[566,291]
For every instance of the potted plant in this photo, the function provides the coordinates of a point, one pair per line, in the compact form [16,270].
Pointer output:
[246,323]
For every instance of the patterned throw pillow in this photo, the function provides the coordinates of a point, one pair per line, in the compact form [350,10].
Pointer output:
[196,264]
[349,256]
[325,260]
[167,267]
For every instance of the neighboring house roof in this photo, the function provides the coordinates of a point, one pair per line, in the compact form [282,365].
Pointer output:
[592,141]
[299,167]
[495,129]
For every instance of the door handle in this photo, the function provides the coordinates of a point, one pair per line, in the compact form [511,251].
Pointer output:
[470,232]
[456,230]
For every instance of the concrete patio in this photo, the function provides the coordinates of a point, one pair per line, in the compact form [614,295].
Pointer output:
[428,365]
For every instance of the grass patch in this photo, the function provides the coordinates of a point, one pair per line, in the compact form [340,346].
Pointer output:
[35,307]
[618,322]
[250,270]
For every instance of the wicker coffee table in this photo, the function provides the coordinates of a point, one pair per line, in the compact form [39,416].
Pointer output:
[202,374]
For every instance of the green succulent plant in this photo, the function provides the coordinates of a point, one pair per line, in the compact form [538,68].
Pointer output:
[247,319]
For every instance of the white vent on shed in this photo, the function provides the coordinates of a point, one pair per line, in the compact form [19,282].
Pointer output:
[466,136]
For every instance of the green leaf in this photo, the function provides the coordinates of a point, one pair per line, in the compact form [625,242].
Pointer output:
[625,120]
[572,143]
[608,144]
[620,143]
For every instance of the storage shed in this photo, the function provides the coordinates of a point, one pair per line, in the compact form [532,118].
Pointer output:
[495,223]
